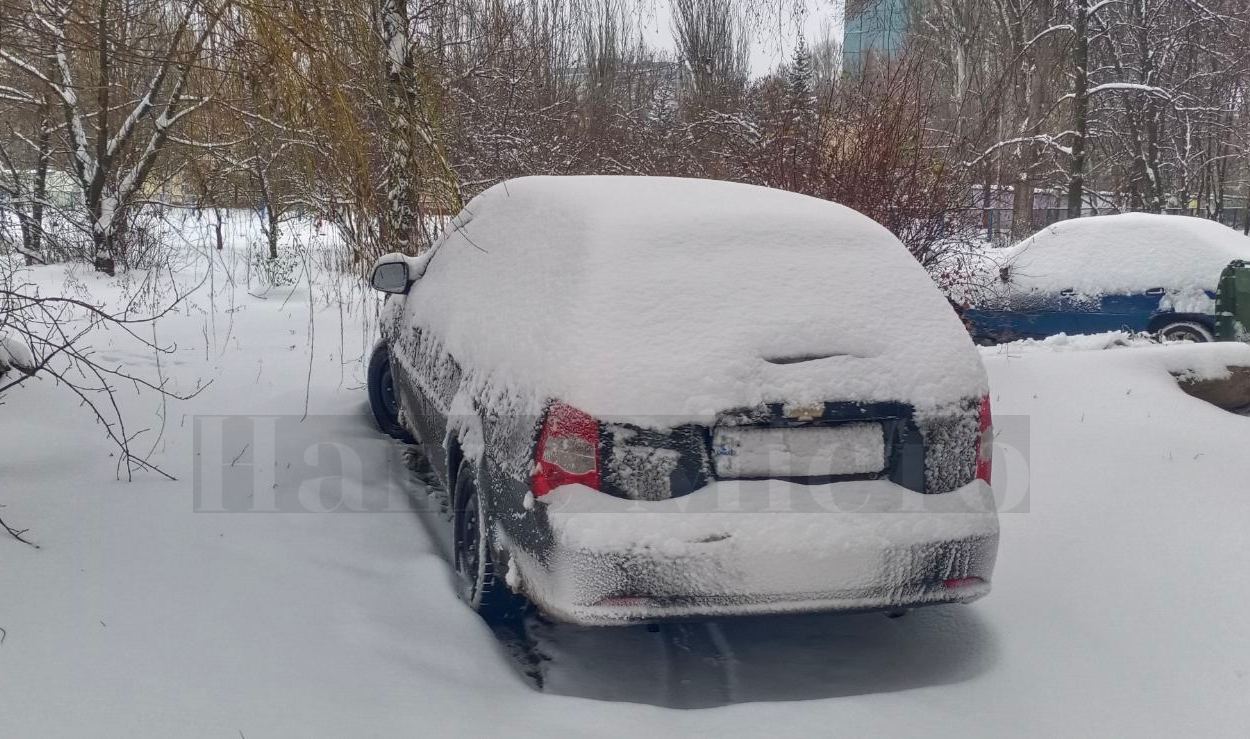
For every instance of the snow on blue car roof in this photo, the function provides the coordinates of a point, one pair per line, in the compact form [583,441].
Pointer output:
[1125,253]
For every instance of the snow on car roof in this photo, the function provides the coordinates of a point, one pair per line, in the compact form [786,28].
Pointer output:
[1126,253]
[665,300]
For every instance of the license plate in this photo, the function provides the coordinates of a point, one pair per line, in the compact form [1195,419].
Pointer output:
[810,451]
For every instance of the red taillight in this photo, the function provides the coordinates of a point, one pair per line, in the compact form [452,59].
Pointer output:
[985,442]
[567,451]
[956,583]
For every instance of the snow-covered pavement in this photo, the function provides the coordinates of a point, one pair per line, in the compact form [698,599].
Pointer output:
[1118,606]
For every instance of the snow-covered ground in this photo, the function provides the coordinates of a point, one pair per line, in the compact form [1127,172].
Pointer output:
[1118,605]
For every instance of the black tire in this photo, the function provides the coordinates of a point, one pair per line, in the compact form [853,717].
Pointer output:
[480,576]
[383,400]
[1186,331]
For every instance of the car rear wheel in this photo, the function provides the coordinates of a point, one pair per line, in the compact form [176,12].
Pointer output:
[482,582]
[383,400]
[1186,331]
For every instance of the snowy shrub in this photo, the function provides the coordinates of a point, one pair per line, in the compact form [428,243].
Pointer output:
[269,271]
[139,245]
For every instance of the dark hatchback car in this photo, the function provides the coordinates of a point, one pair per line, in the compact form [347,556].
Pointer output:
[657,398]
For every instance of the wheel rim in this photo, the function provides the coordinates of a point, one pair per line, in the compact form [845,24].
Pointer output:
[389,400]
[1184,333]
[470,542]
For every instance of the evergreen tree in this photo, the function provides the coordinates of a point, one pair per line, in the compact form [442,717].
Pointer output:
[800,88]
[799,120]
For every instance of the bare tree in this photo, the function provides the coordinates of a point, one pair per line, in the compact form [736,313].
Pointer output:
[363,104]
[139,66]
[1080,106]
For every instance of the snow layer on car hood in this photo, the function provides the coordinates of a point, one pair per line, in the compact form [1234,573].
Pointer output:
[664,301]
[1126,253]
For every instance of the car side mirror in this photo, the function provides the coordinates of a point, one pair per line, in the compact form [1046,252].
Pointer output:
[390,276]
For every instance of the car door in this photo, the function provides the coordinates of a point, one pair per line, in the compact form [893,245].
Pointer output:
[1128,312]
[1013,315]
[1076,313]
[427,376]
[1042,314]
[431,377]
[1036,314]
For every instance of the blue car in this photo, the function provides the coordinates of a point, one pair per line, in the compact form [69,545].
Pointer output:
[1133,272]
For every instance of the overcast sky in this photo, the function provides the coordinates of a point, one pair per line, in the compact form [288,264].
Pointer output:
[773,39]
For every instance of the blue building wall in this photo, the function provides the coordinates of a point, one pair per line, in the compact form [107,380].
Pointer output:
[873,28]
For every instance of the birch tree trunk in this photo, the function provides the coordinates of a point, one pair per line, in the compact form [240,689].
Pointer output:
[1080,107]
[401,215]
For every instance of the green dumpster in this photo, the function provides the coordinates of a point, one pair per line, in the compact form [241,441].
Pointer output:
[1232,303]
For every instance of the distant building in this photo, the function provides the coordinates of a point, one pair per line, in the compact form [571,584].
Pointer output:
[874,28]
[61,189]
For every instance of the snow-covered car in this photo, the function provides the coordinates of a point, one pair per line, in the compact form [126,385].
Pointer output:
[1133,272]
[656,398]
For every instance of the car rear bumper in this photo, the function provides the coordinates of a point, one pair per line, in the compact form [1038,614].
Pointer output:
[760,547]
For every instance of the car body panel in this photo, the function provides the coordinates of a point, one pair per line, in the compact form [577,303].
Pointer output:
[1038,316]
[762,547]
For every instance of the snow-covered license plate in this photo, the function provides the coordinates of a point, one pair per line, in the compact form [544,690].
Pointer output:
[810,451]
